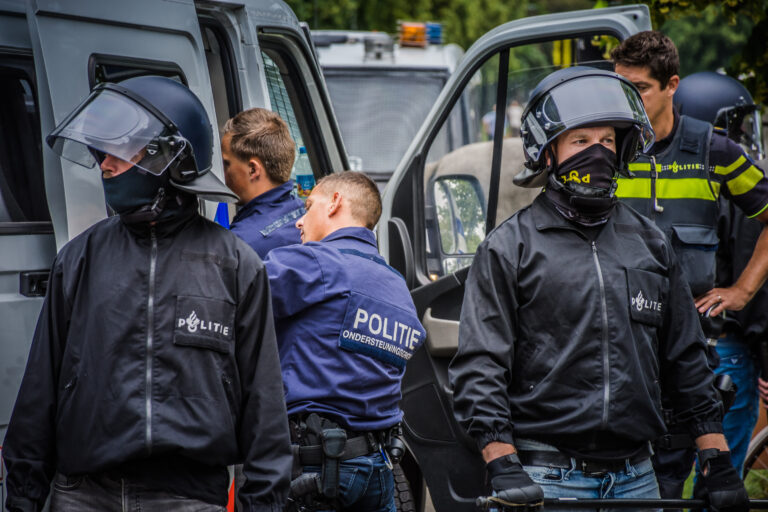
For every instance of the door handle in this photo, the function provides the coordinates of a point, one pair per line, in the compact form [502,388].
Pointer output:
[34,284]
[442,335]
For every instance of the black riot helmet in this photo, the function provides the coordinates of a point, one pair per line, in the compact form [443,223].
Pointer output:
[727,104]
[153,122]
[575,97]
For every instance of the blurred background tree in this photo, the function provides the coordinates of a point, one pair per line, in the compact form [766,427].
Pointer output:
[726,34]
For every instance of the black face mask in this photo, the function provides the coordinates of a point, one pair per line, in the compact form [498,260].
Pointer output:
[582,187]
[131,190]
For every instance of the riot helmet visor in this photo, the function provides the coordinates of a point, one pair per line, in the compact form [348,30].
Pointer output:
[583,101]
[744,126]
[111,122]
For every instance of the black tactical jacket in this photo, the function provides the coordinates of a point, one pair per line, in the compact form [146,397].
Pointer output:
[155,345]
[562,336]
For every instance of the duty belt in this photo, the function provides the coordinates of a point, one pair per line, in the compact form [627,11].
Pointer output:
[560,460]
[354,447]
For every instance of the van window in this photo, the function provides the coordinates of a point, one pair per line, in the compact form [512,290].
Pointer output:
[111,68]
[280,100]
[221,71]
[288,97]
[22,185]
[380,111]
[457,175]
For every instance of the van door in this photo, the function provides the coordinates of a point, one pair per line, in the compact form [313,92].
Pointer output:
[78,44]
[27,244]
[452,187]
[51,55]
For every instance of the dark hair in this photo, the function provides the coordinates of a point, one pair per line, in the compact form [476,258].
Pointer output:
[650,49]
[261,133]
[359,190]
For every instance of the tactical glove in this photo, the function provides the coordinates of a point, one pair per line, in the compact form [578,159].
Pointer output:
[511,483]
[720,483]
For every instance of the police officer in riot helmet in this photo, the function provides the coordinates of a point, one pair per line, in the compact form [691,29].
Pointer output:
[576,318]
[343,349]
[727,104]
[154,363]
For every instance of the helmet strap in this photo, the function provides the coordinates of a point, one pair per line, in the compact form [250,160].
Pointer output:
[150,212]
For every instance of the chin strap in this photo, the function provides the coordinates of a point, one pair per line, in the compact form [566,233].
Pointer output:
[149,212]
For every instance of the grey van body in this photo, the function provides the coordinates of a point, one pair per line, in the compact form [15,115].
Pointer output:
[233,54]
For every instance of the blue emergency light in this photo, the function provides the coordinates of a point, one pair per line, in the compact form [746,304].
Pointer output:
[434,32]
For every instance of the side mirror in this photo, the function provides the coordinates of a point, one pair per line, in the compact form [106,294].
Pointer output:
[461,212]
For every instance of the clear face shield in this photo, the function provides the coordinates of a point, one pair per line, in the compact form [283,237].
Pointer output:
[744,126]
[112,122]
[583,101]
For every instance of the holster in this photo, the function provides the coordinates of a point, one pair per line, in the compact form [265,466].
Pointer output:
[333,441]
[727,389]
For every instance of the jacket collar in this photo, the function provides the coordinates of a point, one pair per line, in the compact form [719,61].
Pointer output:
[175,216]
[273,195]
[545,216]
[355,233]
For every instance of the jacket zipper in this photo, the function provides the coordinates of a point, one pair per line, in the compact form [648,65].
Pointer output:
[604,314]
[150,340]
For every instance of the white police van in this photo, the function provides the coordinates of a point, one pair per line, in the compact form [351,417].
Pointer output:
[382,90]
[445,194]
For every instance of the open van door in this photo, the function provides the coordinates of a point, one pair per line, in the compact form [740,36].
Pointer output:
[452,187]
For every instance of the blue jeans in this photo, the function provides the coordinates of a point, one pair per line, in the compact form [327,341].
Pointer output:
[635,481]
[366,484]
[101,494]
[738,424]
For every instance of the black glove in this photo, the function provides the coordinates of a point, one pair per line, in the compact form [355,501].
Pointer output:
[511,483]
[720,483]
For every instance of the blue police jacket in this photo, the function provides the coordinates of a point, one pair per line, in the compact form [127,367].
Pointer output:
[346,326]
[268,220]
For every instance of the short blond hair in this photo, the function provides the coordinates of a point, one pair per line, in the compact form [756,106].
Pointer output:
[261,133]
[359,190]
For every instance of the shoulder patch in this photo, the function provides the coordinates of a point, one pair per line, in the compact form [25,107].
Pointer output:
[282,221]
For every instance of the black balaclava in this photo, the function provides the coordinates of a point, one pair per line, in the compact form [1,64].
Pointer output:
[582,187]
[132,189]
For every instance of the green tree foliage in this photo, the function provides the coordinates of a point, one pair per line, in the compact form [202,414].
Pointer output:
[704,41]
[710,35]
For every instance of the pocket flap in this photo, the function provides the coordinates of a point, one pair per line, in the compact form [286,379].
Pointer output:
[696,235]
[647,296]
[204,323]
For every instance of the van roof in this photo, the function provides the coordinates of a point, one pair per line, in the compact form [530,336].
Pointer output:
[345,49]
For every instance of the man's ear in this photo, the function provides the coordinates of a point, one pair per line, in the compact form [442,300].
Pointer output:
[334,205]
[672,84]
[255,169]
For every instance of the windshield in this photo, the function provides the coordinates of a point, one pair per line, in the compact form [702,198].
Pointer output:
[380,111]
